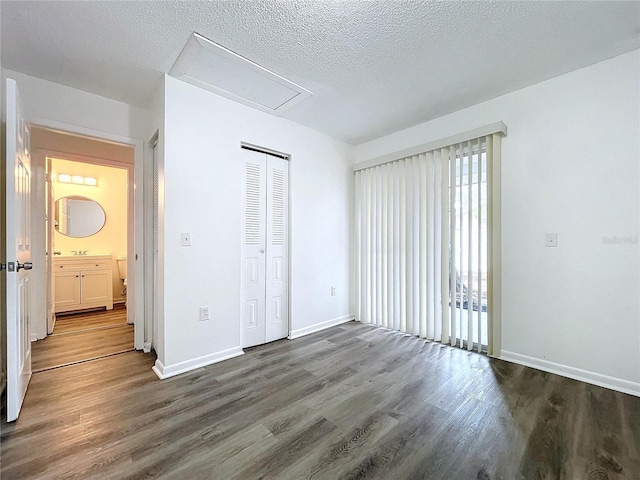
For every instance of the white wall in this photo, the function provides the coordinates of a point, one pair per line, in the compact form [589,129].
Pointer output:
[203,174]
[46,101]
[570,164]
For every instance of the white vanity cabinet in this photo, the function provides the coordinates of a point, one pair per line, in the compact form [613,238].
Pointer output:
[83,282]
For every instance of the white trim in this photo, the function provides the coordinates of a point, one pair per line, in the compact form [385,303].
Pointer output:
[301,332]
[163,371]
[613,383]
[498,127]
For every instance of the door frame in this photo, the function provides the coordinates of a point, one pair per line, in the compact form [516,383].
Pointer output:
[288,158]
[153,261]
[135,245]
[40,330]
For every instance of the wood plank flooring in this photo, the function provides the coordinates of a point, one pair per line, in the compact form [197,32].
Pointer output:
[89,320]
[350,402]
[84,336]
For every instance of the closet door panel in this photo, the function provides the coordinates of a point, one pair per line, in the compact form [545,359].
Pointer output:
[277,317]
[253,249]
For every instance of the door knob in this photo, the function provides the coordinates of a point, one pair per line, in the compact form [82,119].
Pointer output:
[261,251]
[57,253]
[25,265]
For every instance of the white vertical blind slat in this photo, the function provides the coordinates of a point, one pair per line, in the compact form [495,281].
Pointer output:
[453,284]
[378,249]
[417,264]
[424,212]
[409,233]
[390,255]
[402,246]
[460,278]
[436,198]
[358,240]
[396,246]
[430,248]
[367,305]
[479,240]
[469,247]
[384,275]
[444,246]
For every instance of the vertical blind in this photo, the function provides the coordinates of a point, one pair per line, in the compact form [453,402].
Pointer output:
[424,244]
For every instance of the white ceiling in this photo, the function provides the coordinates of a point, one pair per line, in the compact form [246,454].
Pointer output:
[374,67]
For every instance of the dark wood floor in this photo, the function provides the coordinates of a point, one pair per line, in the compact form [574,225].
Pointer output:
[83,336]
[351,402]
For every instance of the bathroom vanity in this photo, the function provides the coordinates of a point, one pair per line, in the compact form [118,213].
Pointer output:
[82,282]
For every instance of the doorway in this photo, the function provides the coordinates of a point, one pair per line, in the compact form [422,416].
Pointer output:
[265,258]
[88,228]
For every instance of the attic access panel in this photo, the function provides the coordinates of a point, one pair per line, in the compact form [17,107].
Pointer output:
[207,65]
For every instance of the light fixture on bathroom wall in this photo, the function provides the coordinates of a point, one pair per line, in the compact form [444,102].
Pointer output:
[77,179]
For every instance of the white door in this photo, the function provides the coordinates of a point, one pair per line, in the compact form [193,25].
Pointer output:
[276,271]
[264,309]
[18,253]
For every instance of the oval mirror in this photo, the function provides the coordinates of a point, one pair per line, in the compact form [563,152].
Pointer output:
[78,217]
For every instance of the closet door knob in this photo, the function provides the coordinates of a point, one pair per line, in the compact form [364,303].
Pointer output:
[25,265]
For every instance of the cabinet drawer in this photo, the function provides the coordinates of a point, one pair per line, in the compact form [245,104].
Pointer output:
[97,265]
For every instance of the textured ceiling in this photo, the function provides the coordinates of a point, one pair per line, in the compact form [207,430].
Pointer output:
[374,67]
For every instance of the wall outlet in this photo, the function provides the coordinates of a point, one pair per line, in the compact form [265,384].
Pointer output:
[204,314]
[333,291]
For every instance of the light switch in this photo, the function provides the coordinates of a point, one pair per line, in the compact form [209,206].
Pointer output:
[186,239]
[550,239]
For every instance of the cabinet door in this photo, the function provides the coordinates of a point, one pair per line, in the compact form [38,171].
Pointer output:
[67,292]
[96,286]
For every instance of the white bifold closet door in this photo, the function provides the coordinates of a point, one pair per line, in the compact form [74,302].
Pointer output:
[264,292]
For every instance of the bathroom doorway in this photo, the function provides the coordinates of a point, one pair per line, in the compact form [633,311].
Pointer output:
[88,234]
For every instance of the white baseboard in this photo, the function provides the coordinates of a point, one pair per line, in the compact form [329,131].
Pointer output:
[163,371]
[301,332]
[613,383]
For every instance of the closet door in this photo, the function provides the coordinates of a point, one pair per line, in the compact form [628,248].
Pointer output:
[277,311]
[264,290]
